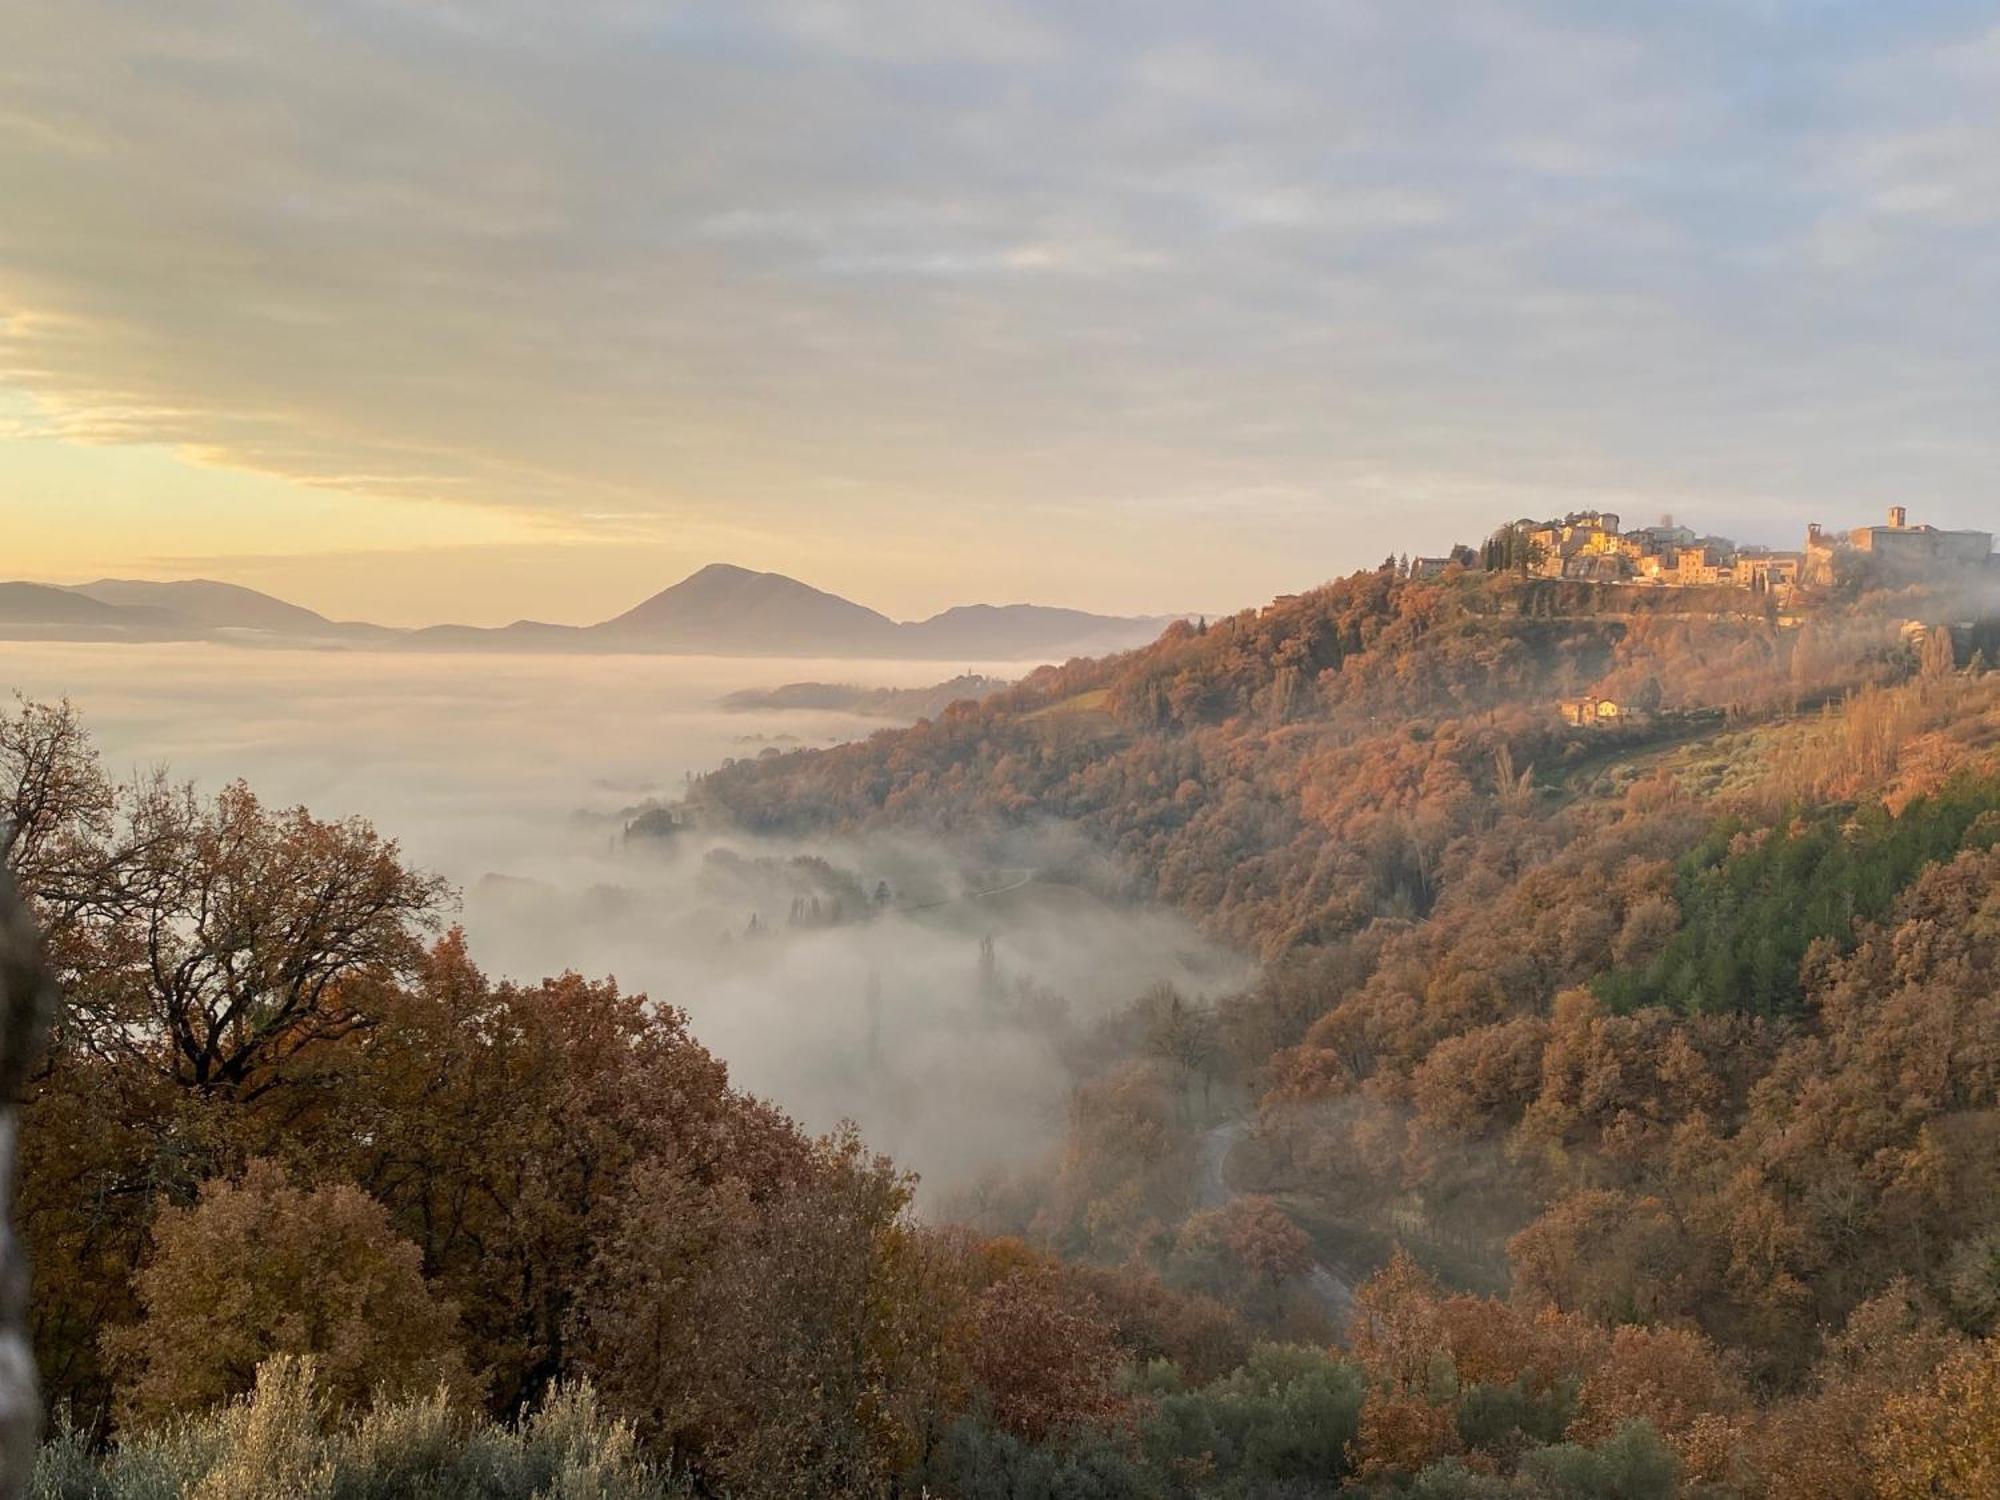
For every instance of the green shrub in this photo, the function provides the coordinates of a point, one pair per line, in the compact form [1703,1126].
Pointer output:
[976,1460]
[1632,1464]
[1451,1480]
[1285,1418]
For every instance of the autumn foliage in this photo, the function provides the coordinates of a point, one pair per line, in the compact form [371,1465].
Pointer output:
[306,1126]
[1638,1084]
[259,1269]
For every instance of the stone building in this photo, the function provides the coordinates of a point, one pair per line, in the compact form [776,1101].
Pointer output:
[1709,561]
[1924,548]
[1759,568]
[1899,552]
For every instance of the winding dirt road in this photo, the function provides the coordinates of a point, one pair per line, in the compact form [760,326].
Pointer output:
[1334,1290]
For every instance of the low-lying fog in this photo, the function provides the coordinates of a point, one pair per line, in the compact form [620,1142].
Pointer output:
[841,980]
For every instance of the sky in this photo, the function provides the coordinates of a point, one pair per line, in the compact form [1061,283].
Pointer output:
[418,310]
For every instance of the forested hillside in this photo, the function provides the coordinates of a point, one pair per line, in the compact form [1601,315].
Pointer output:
[1616,1113]
[1673,1030]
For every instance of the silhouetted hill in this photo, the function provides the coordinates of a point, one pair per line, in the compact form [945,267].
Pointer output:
[222,606]
[114,609]
[42,604]
[38,611]
[1024,630]
[733,611]
[909,704]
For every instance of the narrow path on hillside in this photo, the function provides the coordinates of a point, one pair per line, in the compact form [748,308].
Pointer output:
[1330,1284]
[1211,1187]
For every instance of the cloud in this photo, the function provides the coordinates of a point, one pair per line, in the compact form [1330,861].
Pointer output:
[669,265]
[907,32]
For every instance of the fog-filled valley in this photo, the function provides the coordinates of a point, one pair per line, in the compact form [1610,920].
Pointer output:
[1427,1035]
[995,750]
[926,991]
[467,762]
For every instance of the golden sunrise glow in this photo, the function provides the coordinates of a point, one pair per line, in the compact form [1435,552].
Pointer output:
[970,300]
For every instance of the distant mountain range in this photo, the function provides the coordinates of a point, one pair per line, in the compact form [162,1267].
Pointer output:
[194,609]
[721,611]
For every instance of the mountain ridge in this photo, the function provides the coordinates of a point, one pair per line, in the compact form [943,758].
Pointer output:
[215,605]
[721,609]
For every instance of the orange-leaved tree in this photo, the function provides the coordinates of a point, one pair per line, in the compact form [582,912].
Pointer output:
[259,1268]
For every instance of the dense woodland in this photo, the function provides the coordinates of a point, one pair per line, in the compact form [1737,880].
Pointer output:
[1674,1035]
[1615,1115]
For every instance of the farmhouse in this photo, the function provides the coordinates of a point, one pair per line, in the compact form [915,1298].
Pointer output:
[1591,710]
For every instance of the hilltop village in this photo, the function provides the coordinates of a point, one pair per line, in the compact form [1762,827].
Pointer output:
[1590,546]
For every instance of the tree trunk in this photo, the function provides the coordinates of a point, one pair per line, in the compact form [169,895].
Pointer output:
[27,1001]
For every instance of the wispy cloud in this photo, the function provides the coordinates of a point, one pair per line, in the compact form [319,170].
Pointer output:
[621,264]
